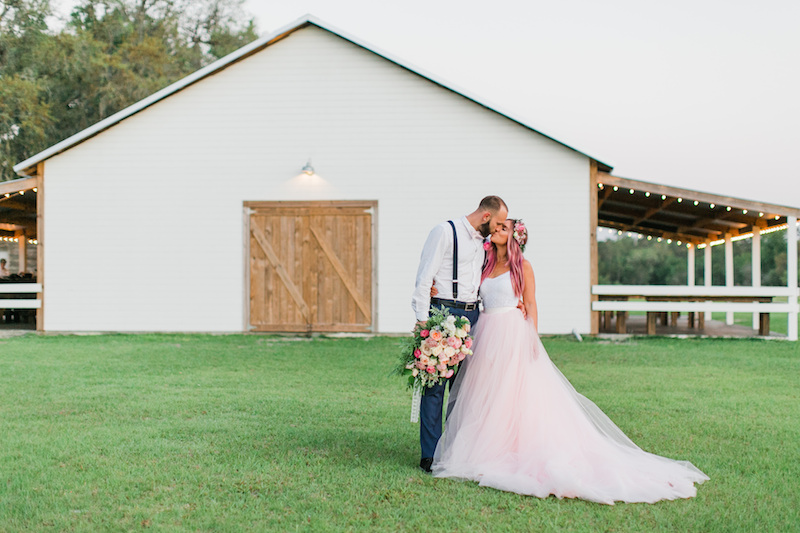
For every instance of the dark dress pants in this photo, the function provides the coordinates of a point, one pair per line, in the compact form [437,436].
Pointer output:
[430,410]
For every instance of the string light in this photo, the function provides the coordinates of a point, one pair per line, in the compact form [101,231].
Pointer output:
[680,200]
[647,194]
[619,232]
[746,235]
[679,243]
[744,211]
[669,241]
[760,215]
[712,206]
[36,189]
[631,191]
[696,202]
[728,208]
[599,185]
[663,196]
[616,188]
[659,239]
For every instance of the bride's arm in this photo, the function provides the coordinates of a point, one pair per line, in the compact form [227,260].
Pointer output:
[529,293]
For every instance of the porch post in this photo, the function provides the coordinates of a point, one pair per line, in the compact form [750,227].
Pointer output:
[22,264]
[728,272]
[791,263]
[756,268]
[690,265]
[707,274]
[594,273]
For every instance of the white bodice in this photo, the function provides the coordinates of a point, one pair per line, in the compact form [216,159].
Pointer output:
[498,292]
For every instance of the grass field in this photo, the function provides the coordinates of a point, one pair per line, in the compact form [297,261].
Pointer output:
[251,433]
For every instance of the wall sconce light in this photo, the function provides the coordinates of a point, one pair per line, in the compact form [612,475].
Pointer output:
[308,169]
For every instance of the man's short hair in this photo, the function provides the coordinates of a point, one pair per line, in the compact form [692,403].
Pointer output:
[493,204]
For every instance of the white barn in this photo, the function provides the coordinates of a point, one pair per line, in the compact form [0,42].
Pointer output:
[190,210]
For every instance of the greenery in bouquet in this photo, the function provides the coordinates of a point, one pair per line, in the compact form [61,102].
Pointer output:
[433,353]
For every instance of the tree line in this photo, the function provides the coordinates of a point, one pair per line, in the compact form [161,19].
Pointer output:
[55,82]
[633,261]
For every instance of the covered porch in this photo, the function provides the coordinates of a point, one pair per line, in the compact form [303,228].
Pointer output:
[20,225]
[696,221]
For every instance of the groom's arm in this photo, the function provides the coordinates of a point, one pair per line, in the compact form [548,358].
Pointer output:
[429,264]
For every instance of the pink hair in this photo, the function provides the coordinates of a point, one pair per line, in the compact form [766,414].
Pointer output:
[515,260]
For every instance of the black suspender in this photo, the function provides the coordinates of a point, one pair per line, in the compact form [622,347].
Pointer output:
[455,261]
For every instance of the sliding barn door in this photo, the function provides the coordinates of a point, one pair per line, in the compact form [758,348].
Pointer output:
[311,266]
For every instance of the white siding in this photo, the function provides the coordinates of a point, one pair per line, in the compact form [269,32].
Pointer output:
[144,221]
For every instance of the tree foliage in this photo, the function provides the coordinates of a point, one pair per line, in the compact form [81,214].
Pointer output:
[109,55]
[629,261]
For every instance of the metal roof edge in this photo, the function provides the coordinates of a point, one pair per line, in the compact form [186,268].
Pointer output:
[242,53]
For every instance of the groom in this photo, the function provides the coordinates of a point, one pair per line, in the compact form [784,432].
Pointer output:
[451,261]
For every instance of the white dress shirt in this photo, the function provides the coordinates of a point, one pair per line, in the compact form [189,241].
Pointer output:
[436,266]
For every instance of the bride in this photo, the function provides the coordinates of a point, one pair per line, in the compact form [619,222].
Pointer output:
[516,424]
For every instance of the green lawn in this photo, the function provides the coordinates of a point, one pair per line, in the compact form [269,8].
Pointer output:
[232,433]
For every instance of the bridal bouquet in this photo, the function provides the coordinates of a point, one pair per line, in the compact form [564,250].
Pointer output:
[434,352]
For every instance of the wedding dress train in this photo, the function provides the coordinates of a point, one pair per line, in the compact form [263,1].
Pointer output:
[516,424]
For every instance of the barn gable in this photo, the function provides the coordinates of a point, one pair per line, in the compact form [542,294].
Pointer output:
[164,192]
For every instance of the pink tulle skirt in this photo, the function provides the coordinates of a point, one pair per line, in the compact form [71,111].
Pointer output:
[516,424]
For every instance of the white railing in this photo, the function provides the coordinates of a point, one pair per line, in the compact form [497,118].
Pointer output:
[691,299]
[20,288]
[689,290]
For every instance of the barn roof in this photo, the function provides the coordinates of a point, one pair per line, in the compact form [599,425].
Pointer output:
[28,166]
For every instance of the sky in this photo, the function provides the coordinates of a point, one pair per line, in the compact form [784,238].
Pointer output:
[701,94]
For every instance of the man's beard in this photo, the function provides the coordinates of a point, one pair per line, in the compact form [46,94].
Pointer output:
[484,229]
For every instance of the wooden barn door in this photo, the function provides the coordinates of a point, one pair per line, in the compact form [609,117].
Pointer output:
[310,266]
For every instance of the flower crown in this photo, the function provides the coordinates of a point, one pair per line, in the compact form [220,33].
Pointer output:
[520,234]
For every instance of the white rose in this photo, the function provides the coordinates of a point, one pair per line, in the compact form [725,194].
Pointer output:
[425,349]
[415,372]
[437,349]
[461,333]
[449,352]
[451,319]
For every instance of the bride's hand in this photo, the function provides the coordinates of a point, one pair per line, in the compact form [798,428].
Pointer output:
[521,307]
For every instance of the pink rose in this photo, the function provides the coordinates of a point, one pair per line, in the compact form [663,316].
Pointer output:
[417,353]
[461,356]
[430,370]
[420,365]
[454,342]
[431,342]
[468,342]
[449,373]
[487,245]
[424,333]
[441,366]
